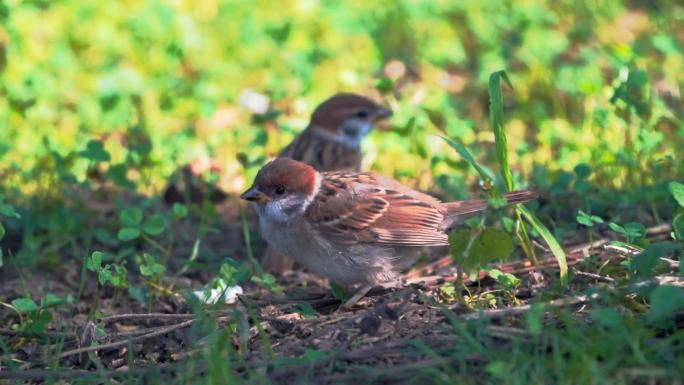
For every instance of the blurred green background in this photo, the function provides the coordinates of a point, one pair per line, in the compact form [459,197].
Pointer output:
[596,105]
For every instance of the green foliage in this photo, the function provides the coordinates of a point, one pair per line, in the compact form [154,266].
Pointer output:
[666,301]
[643,263]
[268,281]
[115,274]
[150,267]
[587,220]
[133,226]
[677,191]
[632,231]
[500,138]
[474,248]
[496,119]
[179,211]
[486,175]
[36,317]
[678,226]
[95,152]
[550,240]
[507,281]
[24,305]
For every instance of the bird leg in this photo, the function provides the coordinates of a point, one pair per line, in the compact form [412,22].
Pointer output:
[349,304]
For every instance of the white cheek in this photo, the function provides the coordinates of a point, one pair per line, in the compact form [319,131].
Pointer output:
[274,210]
[362,128]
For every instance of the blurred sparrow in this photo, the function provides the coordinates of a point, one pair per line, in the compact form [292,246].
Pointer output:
[187,184]
[332,141]
[353,228]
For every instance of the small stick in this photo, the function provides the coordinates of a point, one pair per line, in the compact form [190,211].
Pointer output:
[155,316]
[158,332]
[516,310]
[595,276]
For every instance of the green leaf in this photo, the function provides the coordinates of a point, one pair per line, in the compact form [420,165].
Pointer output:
[458,241]
[496,118]
[95,151]
[128,234]
[507,280]
[7,210]
[584,219]
[105,275]
[485,174]
[131,216]
[24,305]
[151,270]
[151,267]
[534,318]
[617,228]
[138,293]
[179,211]
[587,220]
[95,261]
[306,310]
[583,171]
[643,263]
[635,231]
[154,225]
[607,317]
[146,271]
[157,268]
[2,232]
[51,300]
[677,191]
[677,226]
[549,239]
[666,300]
[487,245]
[117,174]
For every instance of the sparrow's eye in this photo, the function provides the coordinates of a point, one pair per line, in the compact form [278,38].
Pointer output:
[280,190]
[362,114]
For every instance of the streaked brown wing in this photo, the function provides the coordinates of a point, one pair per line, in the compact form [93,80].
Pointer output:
[352,209]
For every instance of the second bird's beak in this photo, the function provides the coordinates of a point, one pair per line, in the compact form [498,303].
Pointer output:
[382,113]
[254,195]
[380,118]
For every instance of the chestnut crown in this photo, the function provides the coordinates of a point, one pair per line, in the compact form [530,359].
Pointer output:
[281,177]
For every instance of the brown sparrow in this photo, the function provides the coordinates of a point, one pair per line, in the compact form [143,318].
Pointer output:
[332,140]
[353,228]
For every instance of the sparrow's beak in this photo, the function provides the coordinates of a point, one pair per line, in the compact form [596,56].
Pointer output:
[382,113]
[254,195]
[380,118]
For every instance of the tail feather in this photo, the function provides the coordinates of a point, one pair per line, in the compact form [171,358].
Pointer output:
[465,209]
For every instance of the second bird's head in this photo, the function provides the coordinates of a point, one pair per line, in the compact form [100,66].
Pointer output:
[347,118]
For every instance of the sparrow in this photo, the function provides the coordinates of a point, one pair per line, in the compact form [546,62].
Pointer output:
[186,185]
[353,227]
[332,140]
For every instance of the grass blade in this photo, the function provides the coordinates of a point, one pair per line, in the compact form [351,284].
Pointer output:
[550,240]
[485,173]
[496,118]
[501,142]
